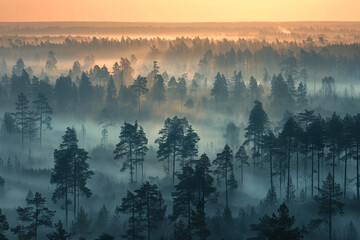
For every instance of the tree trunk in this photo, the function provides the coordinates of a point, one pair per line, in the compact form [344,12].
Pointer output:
[312,173]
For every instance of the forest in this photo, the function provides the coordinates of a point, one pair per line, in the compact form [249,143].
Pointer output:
[179,138]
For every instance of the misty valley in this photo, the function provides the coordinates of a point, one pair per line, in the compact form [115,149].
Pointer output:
[133,131]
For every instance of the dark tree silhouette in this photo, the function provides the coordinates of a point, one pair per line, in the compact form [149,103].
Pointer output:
[224,170]
[4,225]
[59,233]
[21,115]
[35,215]
[329,200]
[278,227]
[257,125]
[43,113]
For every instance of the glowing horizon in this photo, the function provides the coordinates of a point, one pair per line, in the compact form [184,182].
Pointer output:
[179,11]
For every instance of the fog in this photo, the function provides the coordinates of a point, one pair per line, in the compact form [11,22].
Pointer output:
[276,103]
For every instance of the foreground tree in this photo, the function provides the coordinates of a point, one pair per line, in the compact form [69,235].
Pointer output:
[224,170]
[36,215]
[126,147]
[278,227]
[257,125]
[59,233]
[329,200]
[171,142]
[152,204]
[4,225]
[71,171]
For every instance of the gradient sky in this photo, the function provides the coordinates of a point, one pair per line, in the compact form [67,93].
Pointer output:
[179,10]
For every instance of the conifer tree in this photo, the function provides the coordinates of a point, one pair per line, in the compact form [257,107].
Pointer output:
[257,125]
[184,195]
[21,114]
[139,88]
[35,215]
[242,157]
[224,170]
[60,233]
[125,149]
[329,200]
[43,113]
[4,225]
[81,225]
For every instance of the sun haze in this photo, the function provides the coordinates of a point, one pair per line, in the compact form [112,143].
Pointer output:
[179,11]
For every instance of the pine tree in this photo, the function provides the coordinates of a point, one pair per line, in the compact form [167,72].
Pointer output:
[126,147]
[171,142]
[184,195]
[301,100]
[152,204]
[220,90]
[36,215]
[60,233]
[43,113]
[4,225]
[181,232]
[110,99]
[257,125]
[129,205]
[278,227]
[224,170]
[139,88]
[190,145]
[203,178]
[9,126]
[334,133]
[71,171]
[157,92]
[329,200]
[199,221]
[21,114]
[81,225]
[140,150]
[242,157]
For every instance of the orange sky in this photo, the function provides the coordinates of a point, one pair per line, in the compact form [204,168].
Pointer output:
[179,10]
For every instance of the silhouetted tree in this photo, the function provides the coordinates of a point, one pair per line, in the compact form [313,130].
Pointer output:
[257,125]
[139,88]
[224,169]
[36,215]
[126,147]
[4,226]
[21,115]
[60,233]
[329,200]
[278,227]
[43,113]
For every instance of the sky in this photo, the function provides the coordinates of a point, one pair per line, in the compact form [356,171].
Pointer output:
[179,10]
